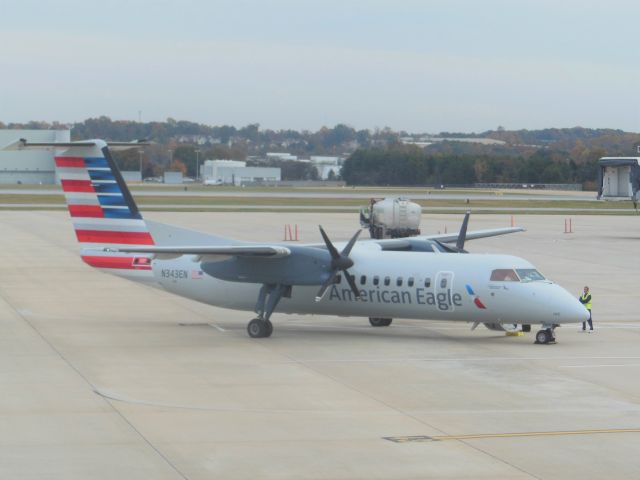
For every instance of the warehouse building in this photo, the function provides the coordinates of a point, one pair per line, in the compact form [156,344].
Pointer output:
[233,172]
[29,166]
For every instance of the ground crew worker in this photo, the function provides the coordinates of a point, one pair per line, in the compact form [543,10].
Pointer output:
[585,299]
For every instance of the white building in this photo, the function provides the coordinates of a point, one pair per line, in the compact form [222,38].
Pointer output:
[30,166]
[131,176]
[172,178]
[281,156]
[233,172]
[325,165]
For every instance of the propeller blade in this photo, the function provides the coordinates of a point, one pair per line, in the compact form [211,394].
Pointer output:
[323,289]
[347,250]
[332,250]
[462,236]
[352,284]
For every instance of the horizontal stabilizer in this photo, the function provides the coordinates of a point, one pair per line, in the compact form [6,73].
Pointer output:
[23,144]
[235,251]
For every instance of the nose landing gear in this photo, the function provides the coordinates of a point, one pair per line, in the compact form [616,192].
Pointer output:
[546,335]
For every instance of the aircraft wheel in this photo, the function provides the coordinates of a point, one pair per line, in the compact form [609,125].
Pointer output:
[269,328]
[380,322]
[259,328]
[545,336]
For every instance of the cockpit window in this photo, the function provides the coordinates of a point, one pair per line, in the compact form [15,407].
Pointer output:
[504,275]
[529,275]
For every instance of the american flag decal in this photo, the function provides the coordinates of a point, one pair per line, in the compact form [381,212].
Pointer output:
[197,274]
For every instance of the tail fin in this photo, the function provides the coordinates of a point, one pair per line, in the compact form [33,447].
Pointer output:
[103,211]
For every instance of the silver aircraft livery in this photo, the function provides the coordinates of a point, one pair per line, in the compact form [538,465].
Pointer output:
[426,278]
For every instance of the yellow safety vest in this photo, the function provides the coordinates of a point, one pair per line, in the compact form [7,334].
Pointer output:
[587,305]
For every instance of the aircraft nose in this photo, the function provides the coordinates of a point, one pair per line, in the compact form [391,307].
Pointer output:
[578,313]
[569,308]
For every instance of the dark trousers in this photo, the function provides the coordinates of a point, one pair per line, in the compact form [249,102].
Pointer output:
[584,324]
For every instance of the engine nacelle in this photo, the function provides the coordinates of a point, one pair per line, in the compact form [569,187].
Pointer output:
[502,327]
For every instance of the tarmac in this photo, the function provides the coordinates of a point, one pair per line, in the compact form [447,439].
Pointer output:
[104,379]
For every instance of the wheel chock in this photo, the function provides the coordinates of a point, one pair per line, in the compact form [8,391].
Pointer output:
[514,334]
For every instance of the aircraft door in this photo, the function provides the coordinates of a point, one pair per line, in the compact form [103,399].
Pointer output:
[444,291]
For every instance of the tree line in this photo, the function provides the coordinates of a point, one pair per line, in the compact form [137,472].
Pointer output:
[400,164]
[376,157]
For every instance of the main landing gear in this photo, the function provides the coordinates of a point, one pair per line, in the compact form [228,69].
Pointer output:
[546,335]
[259,328]
[380,322]
[268,299]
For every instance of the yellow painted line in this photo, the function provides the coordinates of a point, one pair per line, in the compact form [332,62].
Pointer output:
[476,436]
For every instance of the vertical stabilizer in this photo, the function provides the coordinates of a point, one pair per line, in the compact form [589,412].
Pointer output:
[102,209]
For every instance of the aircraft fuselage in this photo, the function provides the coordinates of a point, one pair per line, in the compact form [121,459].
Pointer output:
[414,285]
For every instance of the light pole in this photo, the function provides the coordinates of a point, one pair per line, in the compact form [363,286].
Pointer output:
[140,152]
[197,164]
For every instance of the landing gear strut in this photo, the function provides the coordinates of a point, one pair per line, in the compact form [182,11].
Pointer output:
[268,299]
[546,336]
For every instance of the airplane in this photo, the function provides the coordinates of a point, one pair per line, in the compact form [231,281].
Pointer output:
[425,278]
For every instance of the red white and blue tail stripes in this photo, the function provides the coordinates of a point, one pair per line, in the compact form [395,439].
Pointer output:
[103,211]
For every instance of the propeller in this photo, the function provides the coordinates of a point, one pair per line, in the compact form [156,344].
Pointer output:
[462,236]
[340,262]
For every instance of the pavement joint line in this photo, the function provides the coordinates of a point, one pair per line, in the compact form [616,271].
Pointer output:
[445,360]
[480,436]
[18,313]
[603,365]
[403,412]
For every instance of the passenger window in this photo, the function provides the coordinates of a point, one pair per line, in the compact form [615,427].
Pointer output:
[427,282]
[387,281]
[338,279]
[504,275]
[410,282]
[363,279]
[376,280]
[399,282]
[443,283]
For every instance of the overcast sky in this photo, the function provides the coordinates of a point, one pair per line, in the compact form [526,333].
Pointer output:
[421,66]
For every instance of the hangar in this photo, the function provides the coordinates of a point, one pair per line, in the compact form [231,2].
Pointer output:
[618,178]
[29,166]
[233,172]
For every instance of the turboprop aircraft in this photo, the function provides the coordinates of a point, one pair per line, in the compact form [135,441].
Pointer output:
[426,278]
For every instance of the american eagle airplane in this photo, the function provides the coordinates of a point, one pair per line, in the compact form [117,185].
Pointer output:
[426,278]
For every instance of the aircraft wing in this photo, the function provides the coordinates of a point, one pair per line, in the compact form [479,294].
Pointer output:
[405,243]
[494,232]
[268,251]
